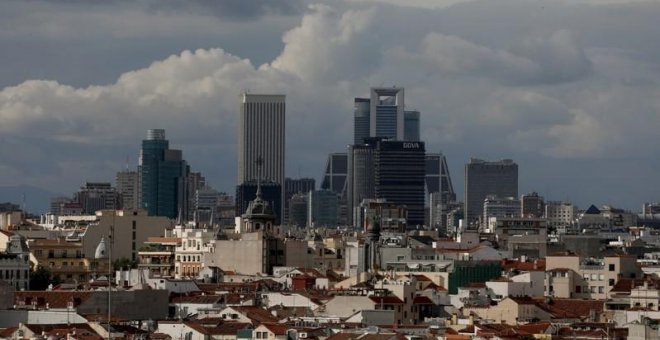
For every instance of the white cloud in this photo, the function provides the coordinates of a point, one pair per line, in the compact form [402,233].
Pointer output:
[544,93]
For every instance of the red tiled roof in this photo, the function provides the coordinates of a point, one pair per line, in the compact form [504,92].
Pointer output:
[277,329]
[570,308]
[197,299]
[422,300]
[256,314]
[535,328]
[54,299]
[388,300]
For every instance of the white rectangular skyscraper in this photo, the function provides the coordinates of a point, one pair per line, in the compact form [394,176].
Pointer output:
[261,137]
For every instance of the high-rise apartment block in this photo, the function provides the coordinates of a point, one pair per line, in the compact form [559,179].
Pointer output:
[261,132]
[163,177]
[498,207]
[128,187]
[483,178]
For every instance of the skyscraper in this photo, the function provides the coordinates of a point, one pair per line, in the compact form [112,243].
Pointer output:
[483,178]
[386,112]
[532,205]
[336,170]
[411,126]
[163,177]
[361,122]
[399,176]
[295,186]
[361,180]
[261,140]
[439,189]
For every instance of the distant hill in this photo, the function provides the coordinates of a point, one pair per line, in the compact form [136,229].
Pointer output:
[37,200]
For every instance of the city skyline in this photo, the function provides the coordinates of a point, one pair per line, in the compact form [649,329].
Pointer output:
[529,96]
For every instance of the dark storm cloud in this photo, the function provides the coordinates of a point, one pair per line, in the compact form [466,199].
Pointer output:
[558,86]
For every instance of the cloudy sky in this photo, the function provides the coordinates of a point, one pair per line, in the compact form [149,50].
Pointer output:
[567,88]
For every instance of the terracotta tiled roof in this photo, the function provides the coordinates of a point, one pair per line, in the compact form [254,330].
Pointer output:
[197,299]
[420,277]
[508,265]
[388,300]
[54,299]
[229,328]
[256,314]
[276,328]
[570,308]
[535,328]
[173,240]
[422,300]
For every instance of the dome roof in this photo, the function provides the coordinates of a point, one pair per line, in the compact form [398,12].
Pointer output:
[258,208]
[101,252]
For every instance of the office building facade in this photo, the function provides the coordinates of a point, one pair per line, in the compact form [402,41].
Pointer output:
[399,176]
[261,140]
[483,178]
[532,205]
[322,210]
[386,112]
[361,120]
[163,177]
[97,196]
[411,126]
[361,181]
[128,188]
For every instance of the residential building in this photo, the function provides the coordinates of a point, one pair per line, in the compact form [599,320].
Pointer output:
[130,229]
[157,255]
[560,215]
[66,260]
[15,263]
[483,178]
[189,253]
[573,276]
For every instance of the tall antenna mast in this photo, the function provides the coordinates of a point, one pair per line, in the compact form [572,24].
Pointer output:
[259,162]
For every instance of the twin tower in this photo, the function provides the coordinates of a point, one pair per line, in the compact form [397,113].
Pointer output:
[386,161]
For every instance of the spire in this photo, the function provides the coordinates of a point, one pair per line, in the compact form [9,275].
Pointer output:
[259,162]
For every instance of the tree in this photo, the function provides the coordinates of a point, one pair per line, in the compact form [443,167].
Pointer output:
[41,277]
[123,263]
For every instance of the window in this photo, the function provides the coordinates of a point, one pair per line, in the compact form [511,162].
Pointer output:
[610,282]
[601,289]
[601,277]
[578,289]
[611,267]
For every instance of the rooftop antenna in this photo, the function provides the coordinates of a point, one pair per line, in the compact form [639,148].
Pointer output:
[259,162]
[126,162]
